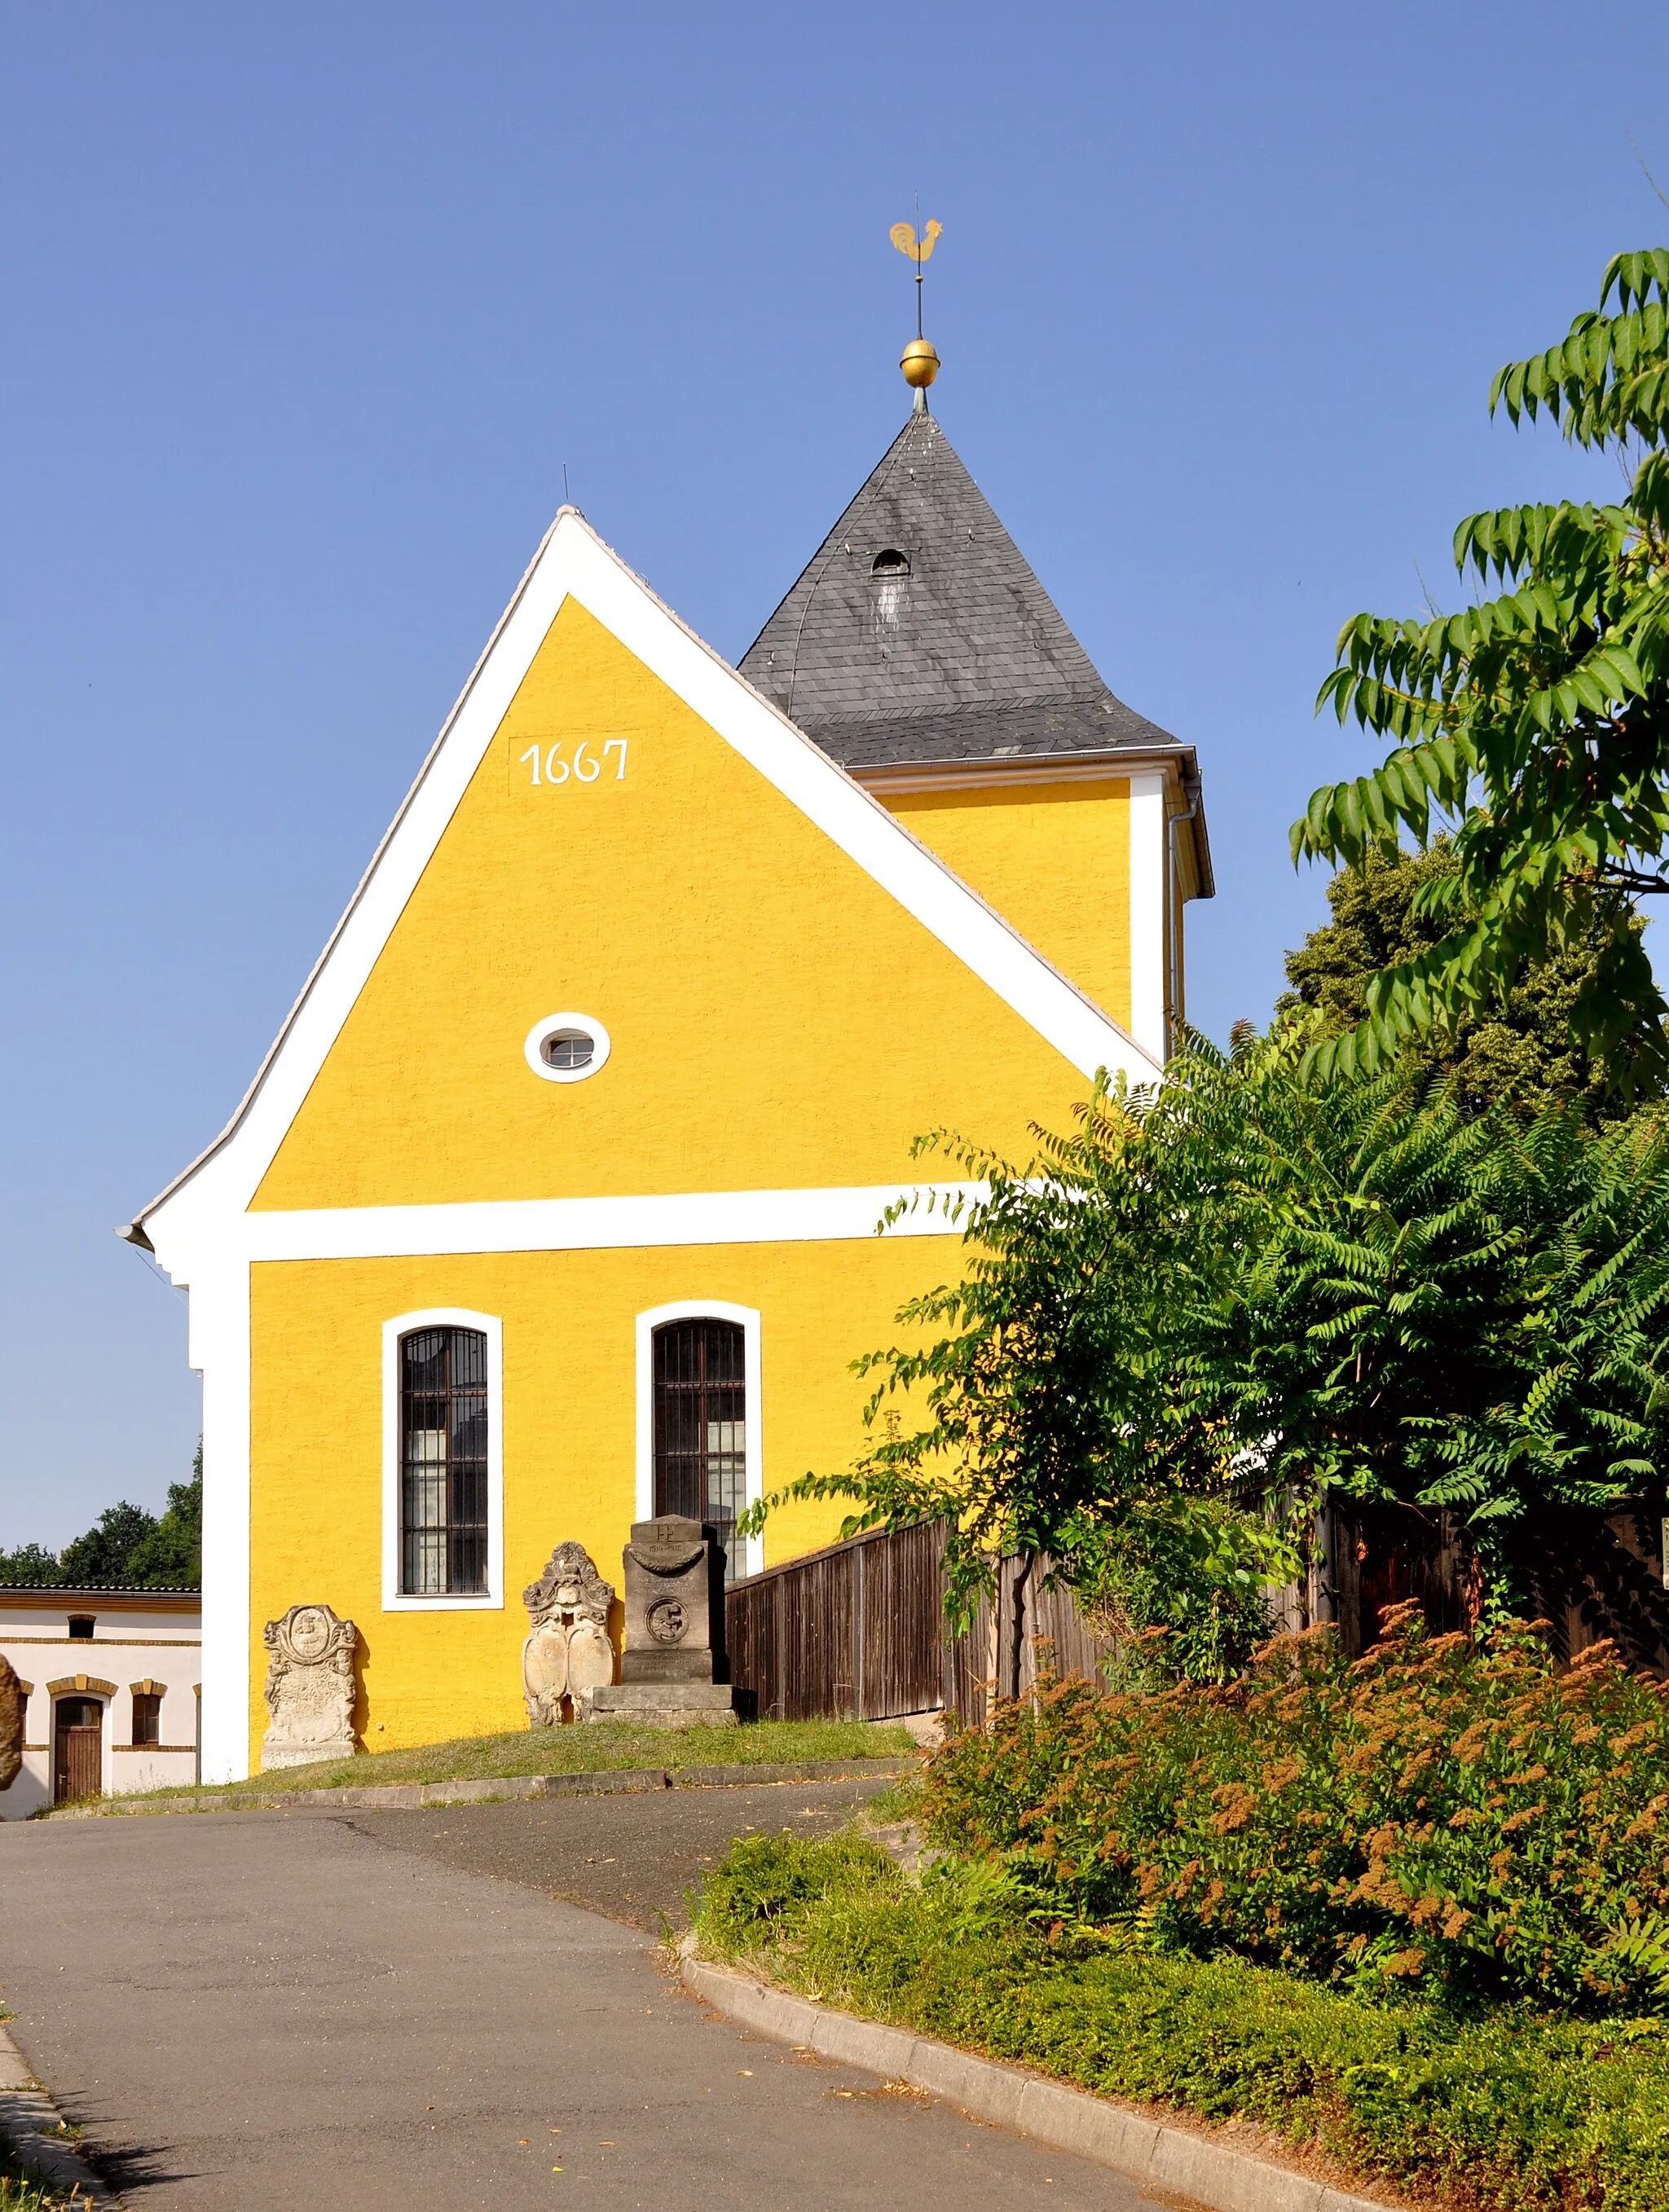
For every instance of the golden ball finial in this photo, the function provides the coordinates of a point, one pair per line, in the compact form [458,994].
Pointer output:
[920,363]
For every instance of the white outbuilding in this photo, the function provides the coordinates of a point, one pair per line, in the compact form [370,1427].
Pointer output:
[112,1680]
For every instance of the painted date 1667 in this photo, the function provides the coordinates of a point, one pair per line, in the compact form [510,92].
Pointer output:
[584,767]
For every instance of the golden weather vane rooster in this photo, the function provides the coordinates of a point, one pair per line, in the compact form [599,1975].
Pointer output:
[920,363]
[903,235]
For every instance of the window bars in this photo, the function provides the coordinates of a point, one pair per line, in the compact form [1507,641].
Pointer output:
[443,1463]
[701,1424]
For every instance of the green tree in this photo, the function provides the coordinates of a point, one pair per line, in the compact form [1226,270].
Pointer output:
[1519,1043]
[1041,1385]
[1251,1286]
[31,1566]
[98,1559]
[1535,723]
[171,1556]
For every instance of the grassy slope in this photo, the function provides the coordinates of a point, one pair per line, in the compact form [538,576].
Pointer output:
[557,1750]
[1501,2109]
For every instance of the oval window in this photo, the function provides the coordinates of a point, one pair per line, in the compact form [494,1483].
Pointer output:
[890,562]
[569,1050]
[566,1047]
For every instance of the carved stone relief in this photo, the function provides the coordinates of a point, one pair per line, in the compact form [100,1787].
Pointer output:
[309,1688]
[568,1656]
[12,1703]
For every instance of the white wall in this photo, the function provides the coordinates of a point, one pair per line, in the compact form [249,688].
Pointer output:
[138,1643]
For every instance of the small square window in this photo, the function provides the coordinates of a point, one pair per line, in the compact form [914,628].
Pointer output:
[147,1716]
[81,1627]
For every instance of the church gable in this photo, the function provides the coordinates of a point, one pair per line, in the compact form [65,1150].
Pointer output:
[791,986]
[774,1016]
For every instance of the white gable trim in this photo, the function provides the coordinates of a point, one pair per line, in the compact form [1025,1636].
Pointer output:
[573,560]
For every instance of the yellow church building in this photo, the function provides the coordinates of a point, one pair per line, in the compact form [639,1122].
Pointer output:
[554,1204]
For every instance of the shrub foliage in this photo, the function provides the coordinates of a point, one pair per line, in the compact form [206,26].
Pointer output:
[1450,1814]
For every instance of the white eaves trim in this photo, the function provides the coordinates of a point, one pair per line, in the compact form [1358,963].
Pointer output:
[596,1225]
[573,560]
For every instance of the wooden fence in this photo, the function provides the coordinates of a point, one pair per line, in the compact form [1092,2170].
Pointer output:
[1589,1575]
[857,1632]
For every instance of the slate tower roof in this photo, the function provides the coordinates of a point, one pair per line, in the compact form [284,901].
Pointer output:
[918,633]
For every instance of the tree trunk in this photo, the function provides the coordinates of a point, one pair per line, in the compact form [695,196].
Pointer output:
[994,1641]
[1023,1582]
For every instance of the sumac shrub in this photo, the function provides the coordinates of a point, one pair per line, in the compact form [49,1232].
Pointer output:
[1448,1812]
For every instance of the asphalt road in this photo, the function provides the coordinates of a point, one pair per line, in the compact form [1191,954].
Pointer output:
[354,2012]
[637,1858]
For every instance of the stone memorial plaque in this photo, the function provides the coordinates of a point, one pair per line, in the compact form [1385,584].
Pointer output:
[674,1630]
[673,1669]
[309,1688]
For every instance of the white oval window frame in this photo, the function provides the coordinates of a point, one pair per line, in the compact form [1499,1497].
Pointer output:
[553,1025]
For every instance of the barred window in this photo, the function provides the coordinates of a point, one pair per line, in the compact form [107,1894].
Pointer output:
[701,1425]
[444,1462]
[147,1716]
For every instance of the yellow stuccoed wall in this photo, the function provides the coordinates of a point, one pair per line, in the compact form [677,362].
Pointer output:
[1053,858]
[569,1376]
[777,1019]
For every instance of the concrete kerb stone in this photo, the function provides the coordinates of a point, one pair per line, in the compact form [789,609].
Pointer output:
[590,1782]
[1209,2171]
[30,2122]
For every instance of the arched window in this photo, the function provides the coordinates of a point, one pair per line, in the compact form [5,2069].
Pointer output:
[444,1462]
[701,1424]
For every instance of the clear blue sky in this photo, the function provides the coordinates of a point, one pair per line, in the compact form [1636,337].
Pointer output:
[308,306]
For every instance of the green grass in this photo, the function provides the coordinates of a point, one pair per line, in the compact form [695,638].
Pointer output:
[605,1744]
[1497,2108]
[20,2190]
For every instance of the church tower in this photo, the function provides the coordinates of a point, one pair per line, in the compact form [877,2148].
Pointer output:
[921,654]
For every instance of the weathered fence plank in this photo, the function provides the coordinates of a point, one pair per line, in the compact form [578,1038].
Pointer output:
[857,1632]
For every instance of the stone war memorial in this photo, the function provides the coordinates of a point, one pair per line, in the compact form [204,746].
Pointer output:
[568,1656]
[673,1669]
[309,1688]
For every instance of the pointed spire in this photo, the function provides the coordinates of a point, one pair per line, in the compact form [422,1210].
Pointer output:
[918,632]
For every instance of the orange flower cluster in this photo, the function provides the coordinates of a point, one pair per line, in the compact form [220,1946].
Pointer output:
[1445,1812]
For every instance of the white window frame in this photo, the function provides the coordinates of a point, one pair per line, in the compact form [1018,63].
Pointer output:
[532,1049]
[394,1600]
[753,1550]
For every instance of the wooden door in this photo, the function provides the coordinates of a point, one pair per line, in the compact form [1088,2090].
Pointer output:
[77,1750]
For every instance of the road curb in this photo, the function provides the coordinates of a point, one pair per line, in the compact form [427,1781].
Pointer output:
[590,1782]
[30,2121]
[1211,2173]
